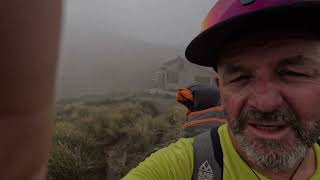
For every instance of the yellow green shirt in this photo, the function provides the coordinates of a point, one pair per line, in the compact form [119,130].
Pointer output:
[175,162]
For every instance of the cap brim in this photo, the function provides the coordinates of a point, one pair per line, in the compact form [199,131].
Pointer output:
[204,49]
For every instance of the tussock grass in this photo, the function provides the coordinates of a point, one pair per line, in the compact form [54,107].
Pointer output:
[74,154]
[91,137]
[69,162]
[144,133]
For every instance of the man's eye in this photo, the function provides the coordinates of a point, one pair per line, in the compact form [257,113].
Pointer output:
[292,73]
[240,78]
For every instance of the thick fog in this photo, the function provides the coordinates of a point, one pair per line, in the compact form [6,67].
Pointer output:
[111,45]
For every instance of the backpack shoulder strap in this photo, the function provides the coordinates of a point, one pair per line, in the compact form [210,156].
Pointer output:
[208,156]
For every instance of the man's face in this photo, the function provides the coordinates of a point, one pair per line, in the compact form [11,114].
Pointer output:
[271,92]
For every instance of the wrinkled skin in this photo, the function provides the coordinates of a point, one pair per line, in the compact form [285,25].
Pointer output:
[273,82]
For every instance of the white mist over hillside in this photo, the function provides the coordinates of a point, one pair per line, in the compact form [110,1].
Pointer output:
[109,45]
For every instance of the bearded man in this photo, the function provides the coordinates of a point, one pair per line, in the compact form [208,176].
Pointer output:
[267,57]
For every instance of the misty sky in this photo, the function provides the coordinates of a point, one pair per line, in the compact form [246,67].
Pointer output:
[116,44]
[169,22]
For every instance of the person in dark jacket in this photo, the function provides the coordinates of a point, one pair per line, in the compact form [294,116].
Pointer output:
[204,109]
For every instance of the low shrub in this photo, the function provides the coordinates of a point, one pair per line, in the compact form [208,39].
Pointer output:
[91,135]
[74,154]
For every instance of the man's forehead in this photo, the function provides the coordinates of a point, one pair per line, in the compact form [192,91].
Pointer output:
[293,47]
[262,39]
[295,60]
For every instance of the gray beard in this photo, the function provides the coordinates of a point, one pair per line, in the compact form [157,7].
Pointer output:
[273,154]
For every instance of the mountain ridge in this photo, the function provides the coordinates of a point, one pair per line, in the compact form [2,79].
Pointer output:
[95,63]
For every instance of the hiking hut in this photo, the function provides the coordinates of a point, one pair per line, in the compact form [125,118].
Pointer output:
[179,72]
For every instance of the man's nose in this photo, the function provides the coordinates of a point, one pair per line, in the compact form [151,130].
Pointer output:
[265,97]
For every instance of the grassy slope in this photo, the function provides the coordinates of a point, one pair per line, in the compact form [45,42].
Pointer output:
[95,139]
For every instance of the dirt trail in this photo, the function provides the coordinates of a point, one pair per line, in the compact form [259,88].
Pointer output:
[116,155]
